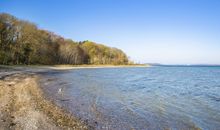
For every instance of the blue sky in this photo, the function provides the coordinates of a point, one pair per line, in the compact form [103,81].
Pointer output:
[156,31]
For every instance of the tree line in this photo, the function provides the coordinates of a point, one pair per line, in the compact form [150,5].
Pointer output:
[22,42]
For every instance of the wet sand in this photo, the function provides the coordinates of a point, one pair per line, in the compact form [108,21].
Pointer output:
[23,105]
[68,67]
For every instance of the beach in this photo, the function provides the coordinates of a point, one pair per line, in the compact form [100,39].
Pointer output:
[24,106]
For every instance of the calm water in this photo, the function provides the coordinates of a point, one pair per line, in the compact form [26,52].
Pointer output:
[142,98]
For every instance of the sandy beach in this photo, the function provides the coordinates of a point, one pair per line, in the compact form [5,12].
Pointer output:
[24,107]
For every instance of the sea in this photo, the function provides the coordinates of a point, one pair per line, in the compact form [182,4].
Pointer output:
[140,98]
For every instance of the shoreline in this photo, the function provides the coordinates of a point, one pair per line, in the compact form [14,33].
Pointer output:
[69,67]
[24,106]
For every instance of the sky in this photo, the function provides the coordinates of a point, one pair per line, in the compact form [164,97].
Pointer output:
[148,31]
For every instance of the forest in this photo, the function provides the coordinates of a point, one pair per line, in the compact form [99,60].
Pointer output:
[23,43]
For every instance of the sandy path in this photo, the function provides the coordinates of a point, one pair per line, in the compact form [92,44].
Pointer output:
[22,107]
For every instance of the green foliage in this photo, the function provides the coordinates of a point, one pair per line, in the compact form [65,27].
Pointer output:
[21,42]
[101,54]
